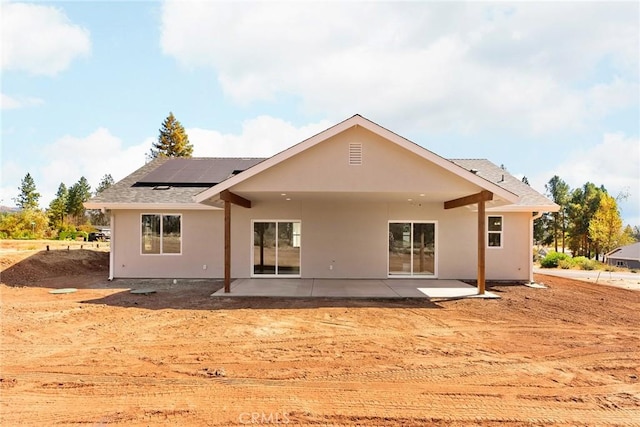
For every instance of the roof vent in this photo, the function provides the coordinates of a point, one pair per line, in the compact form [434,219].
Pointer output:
[355,154]
[474,171]
[162,187]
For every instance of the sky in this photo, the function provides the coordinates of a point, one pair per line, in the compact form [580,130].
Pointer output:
[543,88]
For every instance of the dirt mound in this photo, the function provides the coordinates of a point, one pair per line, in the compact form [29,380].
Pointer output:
[25,268]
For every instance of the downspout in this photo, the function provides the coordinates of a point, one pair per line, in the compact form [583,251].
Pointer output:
[535,216]
[112,223]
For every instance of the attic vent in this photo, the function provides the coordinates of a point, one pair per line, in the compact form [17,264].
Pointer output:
[355,154]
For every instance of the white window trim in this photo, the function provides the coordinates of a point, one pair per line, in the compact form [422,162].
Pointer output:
[251,251]
[501,232]
[161,240]
[435,252]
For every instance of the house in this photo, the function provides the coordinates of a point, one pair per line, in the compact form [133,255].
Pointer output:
[355,201]
[625,256]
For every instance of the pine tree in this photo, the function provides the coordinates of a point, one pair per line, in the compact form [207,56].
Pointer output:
[58,207]
[106,182]
[28,197]
[526,180]
[97,216]
[79,193]
[558,190]
[172,141]
[581,210]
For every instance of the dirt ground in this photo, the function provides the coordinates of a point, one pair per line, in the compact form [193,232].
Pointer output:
[565,355]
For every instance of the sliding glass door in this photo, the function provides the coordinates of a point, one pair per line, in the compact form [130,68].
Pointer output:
[276,248]
[412,249]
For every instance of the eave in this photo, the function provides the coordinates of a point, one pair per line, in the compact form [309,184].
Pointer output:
[151,206]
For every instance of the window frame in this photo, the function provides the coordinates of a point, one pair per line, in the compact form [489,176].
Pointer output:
[297,238]
[161,233]
[412,274]
[500,232]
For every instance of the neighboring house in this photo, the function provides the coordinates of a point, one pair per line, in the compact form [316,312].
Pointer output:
[354,201]
[625,256]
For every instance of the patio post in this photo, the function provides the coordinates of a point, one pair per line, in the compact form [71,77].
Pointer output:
[228,197]
[479,198]
[481,247]
[227,246]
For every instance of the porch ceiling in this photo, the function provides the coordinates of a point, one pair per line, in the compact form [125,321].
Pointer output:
[412,198]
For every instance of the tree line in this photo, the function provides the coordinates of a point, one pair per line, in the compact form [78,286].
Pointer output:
[66,215]
[588,222]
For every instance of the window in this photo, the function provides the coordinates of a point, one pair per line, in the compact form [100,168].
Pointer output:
[620,263]
[412,249]
[276,247]
[161,234]
[494,228]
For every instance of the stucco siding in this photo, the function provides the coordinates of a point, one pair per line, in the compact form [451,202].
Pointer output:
[325,168]
[512,261]
[339,240]
[350,240]
[201,246]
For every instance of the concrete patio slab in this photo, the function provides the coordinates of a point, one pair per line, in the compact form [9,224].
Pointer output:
[352,288]
[269,288]
[450,289]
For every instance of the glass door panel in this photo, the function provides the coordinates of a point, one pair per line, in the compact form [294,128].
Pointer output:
[423,248]
[288,248]
[399,248]
[264,248]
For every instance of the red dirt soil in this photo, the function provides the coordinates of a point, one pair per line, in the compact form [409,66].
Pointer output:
[566,355]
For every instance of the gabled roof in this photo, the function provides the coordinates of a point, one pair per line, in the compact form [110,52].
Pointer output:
[528,197]
[358,120]
[629,252]
[186,182]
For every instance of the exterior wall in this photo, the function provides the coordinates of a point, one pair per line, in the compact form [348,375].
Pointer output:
[202,245]
[514,260]
[353,239]
[628,263]
[386,168]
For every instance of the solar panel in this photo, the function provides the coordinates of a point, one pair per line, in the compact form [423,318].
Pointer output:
[196,172]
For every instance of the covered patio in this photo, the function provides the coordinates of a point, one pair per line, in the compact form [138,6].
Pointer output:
[352,288]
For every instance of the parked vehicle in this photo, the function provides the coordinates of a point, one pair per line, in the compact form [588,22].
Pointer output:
[97,236]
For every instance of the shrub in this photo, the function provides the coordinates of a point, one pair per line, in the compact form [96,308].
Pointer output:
[565,264]
[585,263]
[552,259]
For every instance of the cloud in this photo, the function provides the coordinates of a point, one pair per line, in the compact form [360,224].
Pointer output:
[614,163]
[40,39]
[91,156]
[262,136]
[444,66]
[99,153]
[12,175]
[13,103]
